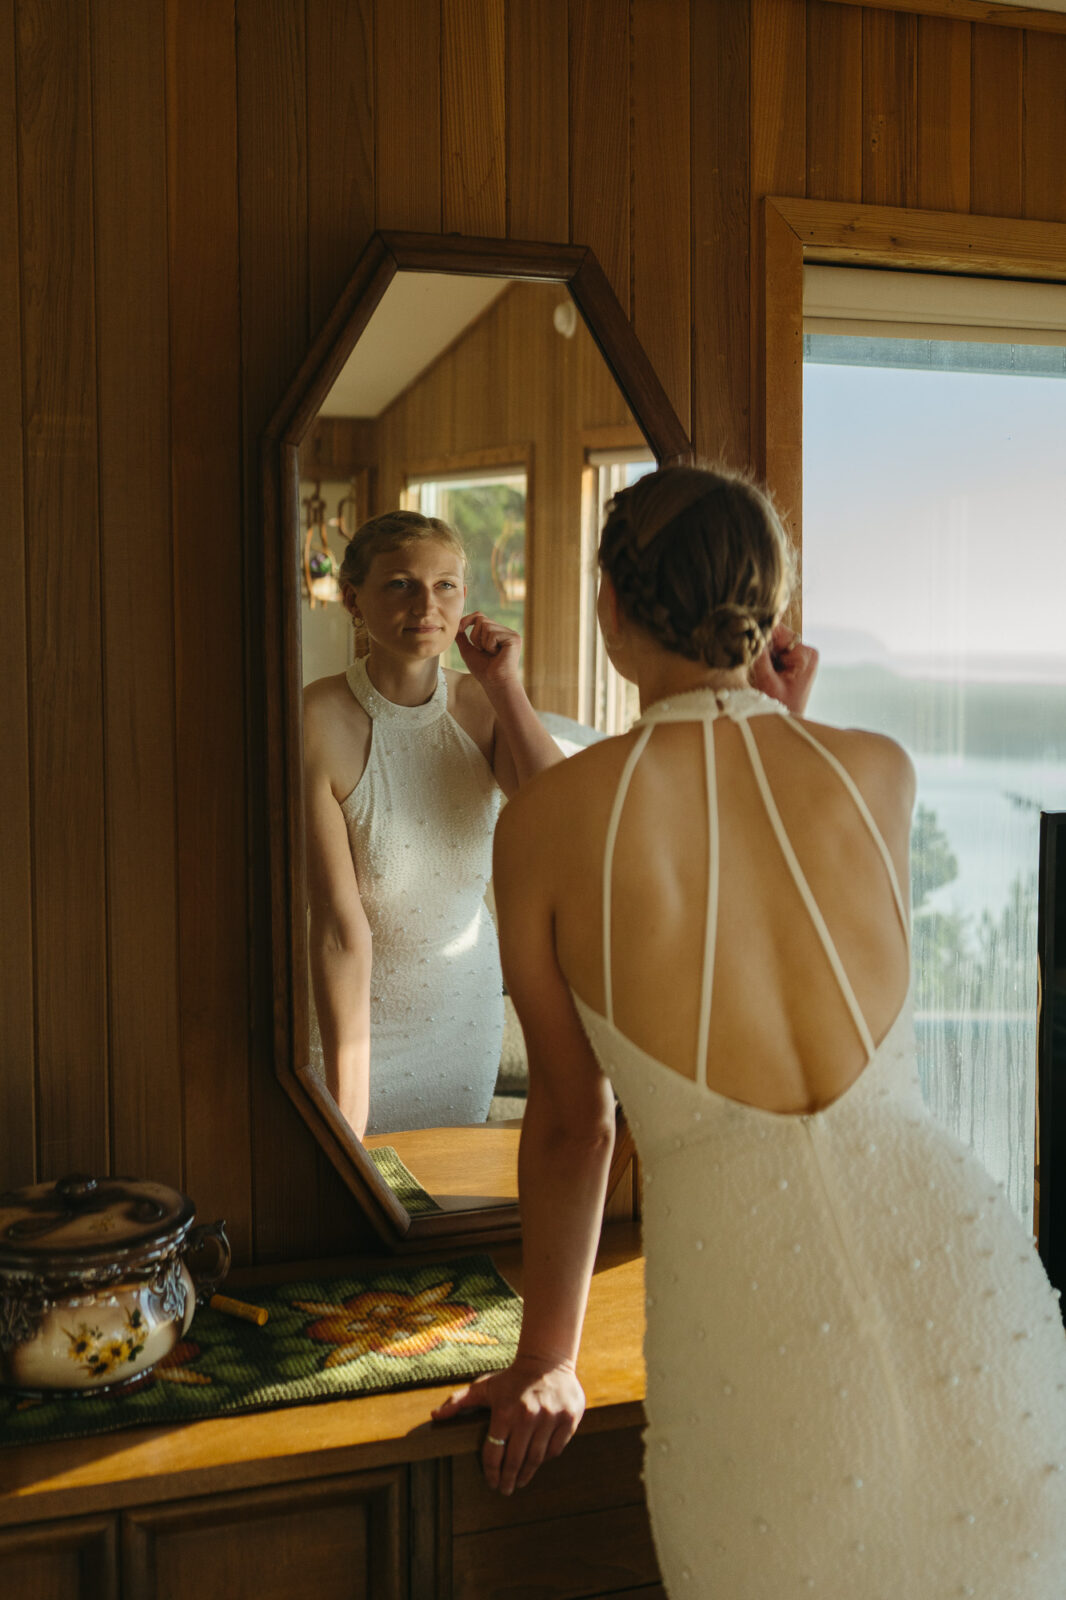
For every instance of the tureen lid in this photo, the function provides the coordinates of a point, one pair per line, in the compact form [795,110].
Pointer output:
[80,1220]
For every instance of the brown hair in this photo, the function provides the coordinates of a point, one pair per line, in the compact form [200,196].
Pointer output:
[700,560]
[388,532]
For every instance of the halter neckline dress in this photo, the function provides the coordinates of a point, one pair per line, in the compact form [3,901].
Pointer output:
[856,1366]
[420,822]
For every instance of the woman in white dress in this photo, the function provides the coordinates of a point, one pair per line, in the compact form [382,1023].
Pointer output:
[856,1369]
[403,765]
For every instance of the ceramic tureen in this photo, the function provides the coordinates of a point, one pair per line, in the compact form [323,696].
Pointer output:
[95,1287]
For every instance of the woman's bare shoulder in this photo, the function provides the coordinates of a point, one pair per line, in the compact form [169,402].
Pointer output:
[567,793]
[873,760]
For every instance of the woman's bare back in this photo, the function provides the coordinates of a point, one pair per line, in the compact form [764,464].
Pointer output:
[780,1033]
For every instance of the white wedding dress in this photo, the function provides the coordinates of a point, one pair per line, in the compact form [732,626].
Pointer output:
[420,823]
[856,1365]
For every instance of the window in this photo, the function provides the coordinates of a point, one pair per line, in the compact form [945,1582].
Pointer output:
[934,563]
[488,511]
[606,700]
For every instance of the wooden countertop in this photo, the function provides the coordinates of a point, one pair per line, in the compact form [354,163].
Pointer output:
[77,1476]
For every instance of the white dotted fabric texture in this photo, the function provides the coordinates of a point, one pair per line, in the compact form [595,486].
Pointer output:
[420,823]
[856,1365]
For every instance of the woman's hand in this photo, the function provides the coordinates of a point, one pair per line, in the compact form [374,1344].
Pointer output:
[490,651]
[535,1407]
[785,670]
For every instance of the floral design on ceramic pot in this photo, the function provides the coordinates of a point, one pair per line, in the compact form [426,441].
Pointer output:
[98,1354]
[386,1322]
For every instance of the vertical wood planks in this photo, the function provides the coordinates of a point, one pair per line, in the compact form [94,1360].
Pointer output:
[340,145]
[660,154]
[274,85]
[538,120]
[599,135]
[473,125]
[407,147]
[834,101]
[944,62]
[996,141]
[889,108]
[720,111]
[205,448]
[1044,136]
[778,160]
[130,202]
[63,584]
[18,1145]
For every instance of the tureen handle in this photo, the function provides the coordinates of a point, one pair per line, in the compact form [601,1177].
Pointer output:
[207,1236]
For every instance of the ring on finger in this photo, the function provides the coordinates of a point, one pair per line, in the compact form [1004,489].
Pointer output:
[492,1440]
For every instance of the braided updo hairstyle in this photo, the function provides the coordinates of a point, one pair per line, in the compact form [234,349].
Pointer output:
[699,559]
[388,532]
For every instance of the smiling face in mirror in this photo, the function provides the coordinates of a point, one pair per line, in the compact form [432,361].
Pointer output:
[505,410]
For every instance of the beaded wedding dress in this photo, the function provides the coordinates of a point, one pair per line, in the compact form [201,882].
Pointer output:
[420,823]
[856,1365]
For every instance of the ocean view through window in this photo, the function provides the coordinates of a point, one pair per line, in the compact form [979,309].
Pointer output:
[934,569]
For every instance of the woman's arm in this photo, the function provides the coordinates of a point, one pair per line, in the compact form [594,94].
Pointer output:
[339,947]
[564,1156]
[522,746]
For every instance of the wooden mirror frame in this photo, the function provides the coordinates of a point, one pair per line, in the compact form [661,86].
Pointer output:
[386,254]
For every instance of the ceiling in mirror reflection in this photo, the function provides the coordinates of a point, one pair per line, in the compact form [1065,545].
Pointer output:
[420,315]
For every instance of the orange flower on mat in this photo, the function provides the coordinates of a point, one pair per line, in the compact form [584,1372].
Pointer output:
[387,1323]
[174,1367]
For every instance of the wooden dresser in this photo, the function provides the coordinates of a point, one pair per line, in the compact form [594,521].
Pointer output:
[352,1499]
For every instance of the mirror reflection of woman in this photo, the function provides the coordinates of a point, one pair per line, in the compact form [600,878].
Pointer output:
[404,762]
[856,1370]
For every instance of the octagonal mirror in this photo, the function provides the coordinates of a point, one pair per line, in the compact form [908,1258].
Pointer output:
[499,387]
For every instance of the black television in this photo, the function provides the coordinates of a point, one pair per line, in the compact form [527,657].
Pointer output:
[1051,1048]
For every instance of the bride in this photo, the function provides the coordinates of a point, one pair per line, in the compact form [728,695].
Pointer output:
[856,1370]
[403,765]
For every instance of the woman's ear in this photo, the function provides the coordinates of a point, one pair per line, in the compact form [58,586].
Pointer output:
[349,602]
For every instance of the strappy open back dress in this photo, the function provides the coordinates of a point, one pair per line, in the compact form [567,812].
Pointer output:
[420,823]
[856,1365]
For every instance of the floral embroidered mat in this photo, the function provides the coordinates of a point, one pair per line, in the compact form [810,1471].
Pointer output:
[326,1339]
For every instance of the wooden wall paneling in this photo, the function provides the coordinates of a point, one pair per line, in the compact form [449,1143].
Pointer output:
[18,1134]
[63,583]
[538,118]
[206,519]
[945,54]
[128,41]
[889,109]
[834,102]
[996,136]
[599,135]
[473,118]
[778,160]
[407,130]
[1044,131]
[782,379]
[660,150]
[340,145]
[719,184]
[299,1204]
